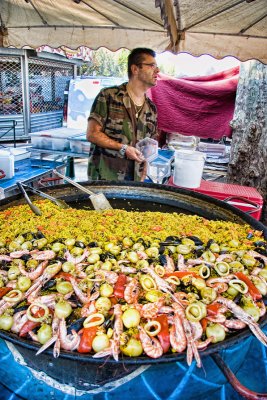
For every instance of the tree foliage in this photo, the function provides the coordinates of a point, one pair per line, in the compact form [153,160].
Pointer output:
[107,63]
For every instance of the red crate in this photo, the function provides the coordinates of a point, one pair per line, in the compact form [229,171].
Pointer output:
[245,198]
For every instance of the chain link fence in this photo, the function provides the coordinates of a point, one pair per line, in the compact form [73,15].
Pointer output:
[10,86]
[47,83]
[48,79]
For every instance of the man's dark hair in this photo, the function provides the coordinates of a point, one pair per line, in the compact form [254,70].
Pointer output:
[137,56]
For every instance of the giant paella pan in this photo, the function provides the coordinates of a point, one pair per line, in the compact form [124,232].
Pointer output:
[151,296]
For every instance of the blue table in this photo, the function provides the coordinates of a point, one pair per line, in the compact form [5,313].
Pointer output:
[27,171]
[172,381]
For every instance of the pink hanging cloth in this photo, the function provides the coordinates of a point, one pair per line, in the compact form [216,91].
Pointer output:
[199,106]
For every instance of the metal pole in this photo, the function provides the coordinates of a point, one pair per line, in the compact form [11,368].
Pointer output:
[25,92]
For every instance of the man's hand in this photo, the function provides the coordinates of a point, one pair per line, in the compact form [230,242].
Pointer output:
[133,154]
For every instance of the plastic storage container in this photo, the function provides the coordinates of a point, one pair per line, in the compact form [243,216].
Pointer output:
[7,164]
[79,144]
[53,139]
[148,147]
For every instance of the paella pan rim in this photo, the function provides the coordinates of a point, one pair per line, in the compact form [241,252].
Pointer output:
[232,340]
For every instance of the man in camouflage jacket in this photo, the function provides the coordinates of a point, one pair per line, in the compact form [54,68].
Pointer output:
[120,117]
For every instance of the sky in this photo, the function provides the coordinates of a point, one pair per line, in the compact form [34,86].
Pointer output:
[185,64]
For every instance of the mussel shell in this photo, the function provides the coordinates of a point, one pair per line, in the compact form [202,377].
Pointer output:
[237,298]
[62,259]
[25,257]
[39,235]
[161,249]
[4,265]
[76,325]
[196,240]
[261,251]
[20,308]
[78,243]
[106,256]
[49,284]
[163,259]
[93,244]
[173,239]
[198,251]
[260,243]
[109,322]
[210,241]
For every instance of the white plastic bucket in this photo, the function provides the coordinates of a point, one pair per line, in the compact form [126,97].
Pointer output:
[188,168]
[7,164]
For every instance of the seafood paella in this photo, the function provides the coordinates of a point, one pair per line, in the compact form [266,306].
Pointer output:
[128,283]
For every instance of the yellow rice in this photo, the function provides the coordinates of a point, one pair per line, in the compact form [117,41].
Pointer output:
[114,225]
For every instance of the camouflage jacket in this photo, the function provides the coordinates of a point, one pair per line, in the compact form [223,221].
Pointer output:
[114,111]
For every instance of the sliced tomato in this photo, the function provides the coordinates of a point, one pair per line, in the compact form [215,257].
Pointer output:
[164,334]
[88,335]
[181,274]
[4,291]
[253,291]
[120,286]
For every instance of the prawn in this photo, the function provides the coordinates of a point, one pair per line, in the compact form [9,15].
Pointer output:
[44,255]
[117,331]
[84,298]
[191,345]
[243,316]
[35,273]
[151,345]
[177,334]
[131,291]
[68,341]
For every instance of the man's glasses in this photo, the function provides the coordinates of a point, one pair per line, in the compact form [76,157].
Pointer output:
[151,65]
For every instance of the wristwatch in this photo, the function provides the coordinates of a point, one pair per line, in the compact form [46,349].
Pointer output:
[122,151]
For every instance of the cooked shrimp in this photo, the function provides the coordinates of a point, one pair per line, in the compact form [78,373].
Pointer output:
[76,260]
[191,345]
[161,283]
[48,273]
[117,331]
[44,255]
[244,317]
[169,266]
[84,298]
[54,339]
[131,291]
[128,270]
[5,258]
[19,253]
[19,320]
[255,254]
[177,334]
[151,310]
[35,273]
[151,345]
[219,284]
[181,266]
[68,341]
[88,309]
[234,324]
[110,276]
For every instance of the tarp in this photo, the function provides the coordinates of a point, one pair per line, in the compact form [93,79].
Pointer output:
[201,106]
[218,28]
